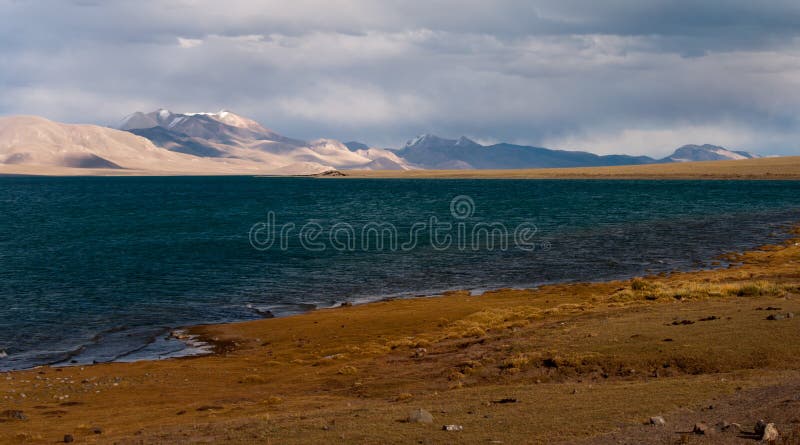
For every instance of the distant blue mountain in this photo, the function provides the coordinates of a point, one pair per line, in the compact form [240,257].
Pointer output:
[432,152]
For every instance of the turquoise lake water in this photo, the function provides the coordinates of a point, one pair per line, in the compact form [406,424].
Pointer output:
[99,269]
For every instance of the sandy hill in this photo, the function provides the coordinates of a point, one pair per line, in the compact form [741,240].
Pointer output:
[34,145]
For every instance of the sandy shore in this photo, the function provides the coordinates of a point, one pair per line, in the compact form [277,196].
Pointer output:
[563,363]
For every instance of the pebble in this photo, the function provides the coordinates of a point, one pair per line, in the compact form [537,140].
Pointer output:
[420,416]
[657,421]
[770,433]
[452,428]
[505,400]
[68,438]
[701,428]
[13,414]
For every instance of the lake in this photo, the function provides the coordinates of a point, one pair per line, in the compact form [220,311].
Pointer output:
[101,269]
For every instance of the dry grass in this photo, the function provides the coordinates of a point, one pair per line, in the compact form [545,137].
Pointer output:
[767,168]
[641,289]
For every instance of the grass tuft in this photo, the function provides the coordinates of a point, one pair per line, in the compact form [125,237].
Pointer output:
[253,379]
[347,370]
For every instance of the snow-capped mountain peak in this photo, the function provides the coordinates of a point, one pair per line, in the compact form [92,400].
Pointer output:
[236,120]
[706,152]
[429,140]
[167,119]
[425,140]
[465,141]
[419,139]
[232,119]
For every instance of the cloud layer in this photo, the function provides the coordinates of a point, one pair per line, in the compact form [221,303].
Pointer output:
[617,76]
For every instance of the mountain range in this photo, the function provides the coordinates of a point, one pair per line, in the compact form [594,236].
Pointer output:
[432,152]
[39,146]
[228,135]
[227,143]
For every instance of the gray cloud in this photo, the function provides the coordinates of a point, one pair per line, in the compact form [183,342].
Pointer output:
[624,76]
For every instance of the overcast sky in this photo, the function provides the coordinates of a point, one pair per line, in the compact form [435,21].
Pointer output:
[638,76]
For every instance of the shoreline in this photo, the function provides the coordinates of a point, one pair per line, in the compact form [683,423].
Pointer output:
[208,346]
[776,168]
[595,353]
[195,346]
[220,347]
[204,346]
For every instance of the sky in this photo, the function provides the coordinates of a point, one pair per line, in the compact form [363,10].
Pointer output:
[617,76]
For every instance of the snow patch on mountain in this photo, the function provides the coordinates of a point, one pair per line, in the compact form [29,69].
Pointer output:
[706,152]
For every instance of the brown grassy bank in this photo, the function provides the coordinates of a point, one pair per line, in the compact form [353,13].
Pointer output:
[574,362]
[766,168]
